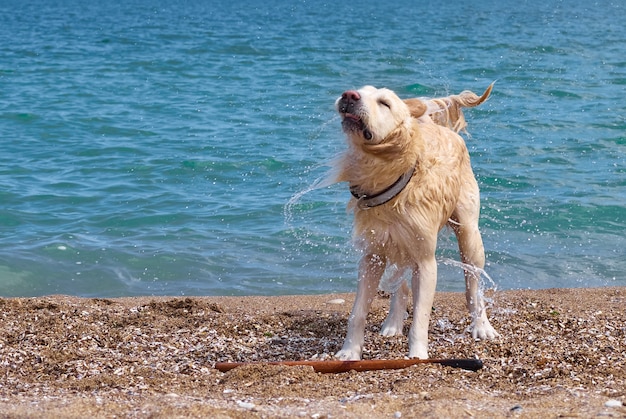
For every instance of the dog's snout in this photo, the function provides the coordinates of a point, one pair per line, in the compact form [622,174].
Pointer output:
[352,95]
[348,99]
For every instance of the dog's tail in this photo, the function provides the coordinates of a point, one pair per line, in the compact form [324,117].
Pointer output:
[448,111]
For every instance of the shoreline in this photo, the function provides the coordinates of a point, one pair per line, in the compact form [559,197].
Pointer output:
[562,353]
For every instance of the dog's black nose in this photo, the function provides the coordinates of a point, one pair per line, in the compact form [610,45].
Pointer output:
[351,95]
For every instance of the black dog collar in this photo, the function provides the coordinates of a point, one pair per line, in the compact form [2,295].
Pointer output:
[365,201]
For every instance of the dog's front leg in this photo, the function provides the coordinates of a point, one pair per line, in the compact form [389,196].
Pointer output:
[424,283]
[371,269]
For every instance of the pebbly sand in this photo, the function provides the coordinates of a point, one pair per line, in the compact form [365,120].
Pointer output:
[562,354]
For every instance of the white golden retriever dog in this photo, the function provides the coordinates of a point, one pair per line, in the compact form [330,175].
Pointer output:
[410,175]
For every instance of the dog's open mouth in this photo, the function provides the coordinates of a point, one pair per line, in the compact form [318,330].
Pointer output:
[353,122]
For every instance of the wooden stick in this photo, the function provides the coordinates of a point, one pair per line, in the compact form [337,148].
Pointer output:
[335,366]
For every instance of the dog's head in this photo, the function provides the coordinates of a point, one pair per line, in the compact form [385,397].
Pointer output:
[372,115]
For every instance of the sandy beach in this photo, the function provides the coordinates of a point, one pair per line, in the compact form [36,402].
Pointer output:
[562,354]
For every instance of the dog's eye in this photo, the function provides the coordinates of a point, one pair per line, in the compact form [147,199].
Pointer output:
[384,103]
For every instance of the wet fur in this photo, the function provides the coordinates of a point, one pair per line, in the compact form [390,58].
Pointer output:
[386,137]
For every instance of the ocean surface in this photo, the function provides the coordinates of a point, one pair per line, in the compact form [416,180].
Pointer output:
[169,148]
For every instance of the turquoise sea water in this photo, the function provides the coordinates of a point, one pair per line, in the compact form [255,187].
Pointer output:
[152,147]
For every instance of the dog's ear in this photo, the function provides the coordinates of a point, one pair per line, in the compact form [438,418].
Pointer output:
[416,107]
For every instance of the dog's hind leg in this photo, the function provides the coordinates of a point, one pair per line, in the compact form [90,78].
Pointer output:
[473,255]
[371,269]
[394,322]
[472,252]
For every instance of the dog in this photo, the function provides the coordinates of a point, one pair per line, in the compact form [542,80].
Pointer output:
[409,174]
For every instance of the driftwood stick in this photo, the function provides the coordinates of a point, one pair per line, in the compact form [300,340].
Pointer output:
[335,366]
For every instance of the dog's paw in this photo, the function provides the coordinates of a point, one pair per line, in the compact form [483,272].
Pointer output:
[419,351]
[393,324]
[348,355]
[483,330]
[390,329]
